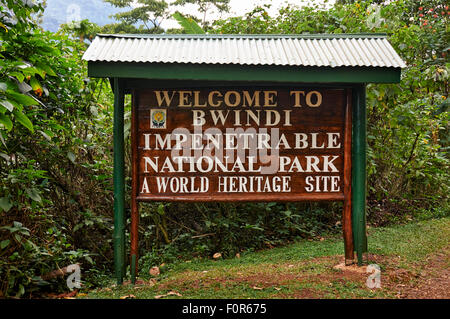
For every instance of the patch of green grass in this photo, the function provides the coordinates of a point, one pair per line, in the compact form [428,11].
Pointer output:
[412,242]
[346,289]
[301,270]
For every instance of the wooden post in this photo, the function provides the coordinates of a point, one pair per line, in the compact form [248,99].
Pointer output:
[347,209]
[119,183]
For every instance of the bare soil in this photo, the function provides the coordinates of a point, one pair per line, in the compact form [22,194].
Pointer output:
[433,281]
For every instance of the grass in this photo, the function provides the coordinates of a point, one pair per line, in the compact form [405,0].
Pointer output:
[301,270]
[414,241]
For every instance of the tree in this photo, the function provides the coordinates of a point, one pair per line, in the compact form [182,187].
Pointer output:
[206,5]
[188,24]
[124,28]
[82,30]
[150,12]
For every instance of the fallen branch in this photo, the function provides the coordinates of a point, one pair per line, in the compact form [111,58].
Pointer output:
[203,235]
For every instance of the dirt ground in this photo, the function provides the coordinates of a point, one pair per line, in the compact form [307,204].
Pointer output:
[430,280]
[433,282]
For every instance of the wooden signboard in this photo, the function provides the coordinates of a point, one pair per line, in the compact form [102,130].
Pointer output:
[216,128]
[242,144]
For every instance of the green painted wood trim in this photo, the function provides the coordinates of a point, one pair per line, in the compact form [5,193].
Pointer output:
[262,73]
[131,84]
[359,171]
[119,182]
[133,269]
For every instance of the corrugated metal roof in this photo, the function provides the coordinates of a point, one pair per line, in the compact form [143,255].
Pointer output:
[345,50]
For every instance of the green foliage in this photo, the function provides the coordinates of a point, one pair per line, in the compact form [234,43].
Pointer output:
[49,155]
[83,30]
[124,28]
[153,11]
[206,5]
[188,24]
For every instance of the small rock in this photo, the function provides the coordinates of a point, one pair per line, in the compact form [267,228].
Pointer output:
[154,271]
[170,293]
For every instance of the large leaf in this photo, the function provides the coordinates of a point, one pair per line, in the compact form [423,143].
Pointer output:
[24,87]
[19,76]
[4,243]
[6,121]
[2,139]
[23,99]
[188,24]
[4,27]
[33,194]
[6,157]
[71,156]
[5,204]
[7,104]
[46,68]
[36,86]
[23,119]
[47,137]
[31,71]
